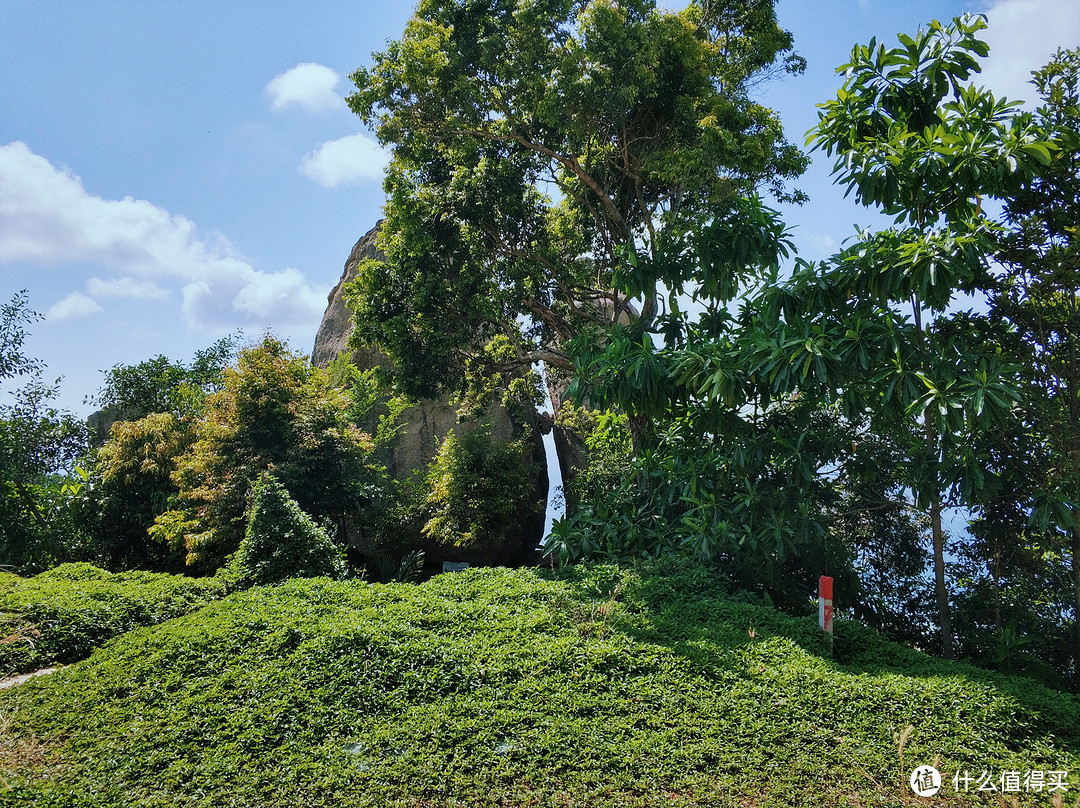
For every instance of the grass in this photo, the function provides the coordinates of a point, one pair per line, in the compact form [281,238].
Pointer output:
[493,687]
[62,615]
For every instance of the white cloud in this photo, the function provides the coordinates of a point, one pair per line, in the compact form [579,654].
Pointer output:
[240,294]
[823,244]
[130,288]
[349,160]
[1023,35]
[47,218]
[308,85]
[74,306]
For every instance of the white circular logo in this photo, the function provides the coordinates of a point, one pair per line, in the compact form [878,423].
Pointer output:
[926,781]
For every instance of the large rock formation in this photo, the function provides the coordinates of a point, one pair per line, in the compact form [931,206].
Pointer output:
[426,424]
[337,326]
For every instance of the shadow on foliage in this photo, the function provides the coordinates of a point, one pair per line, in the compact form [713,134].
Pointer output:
[692,610]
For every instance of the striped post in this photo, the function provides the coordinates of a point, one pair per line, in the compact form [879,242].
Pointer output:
[825,609]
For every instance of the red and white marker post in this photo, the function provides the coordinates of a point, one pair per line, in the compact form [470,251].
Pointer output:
[825,609]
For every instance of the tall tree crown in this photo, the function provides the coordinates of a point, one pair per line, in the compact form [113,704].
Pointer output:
[533,141]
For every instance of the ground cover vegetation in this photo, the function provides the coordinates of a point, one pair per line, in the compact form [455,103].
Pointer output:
[768,418]
[61,615]
[600,686]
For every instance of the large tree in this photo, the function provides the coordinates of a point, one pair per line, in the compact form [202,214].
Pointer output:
[1039,296]
[870,330]
[541,147]
[915,138]
[149,418]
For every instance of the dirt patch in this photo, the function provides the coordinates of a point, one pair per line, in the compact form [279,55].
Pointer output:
[19,754]
[19,678]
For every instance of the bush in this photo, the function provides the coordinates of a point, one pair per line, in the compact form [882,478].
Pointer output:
[62,615]
[480,491]
[281,541]
[599,686]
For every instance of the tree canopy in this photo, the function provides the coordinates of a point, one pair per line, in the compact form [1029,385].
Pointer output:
[537,146]
[1038,295]
[162,385]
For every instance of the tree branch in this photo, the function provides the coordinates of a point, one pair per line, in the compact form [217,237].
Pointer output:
[547,356]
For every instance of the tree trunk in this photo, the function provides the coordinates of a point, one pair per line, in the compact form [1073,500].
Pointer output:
[642,437]
[940,588]
[1076,600]
[944,618]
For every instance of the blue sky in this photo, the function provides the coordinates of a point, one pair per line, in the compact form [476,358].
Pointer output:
[170,172]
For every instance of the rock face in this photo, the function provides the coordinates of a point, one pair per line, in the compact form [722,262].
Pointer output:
[425,425]
[100,422]
[336,326]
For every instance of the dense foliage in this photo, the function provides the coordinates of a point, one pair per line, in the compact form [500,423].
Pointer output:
[532,143]
[480,490]
[608,687]
[42,522]
[134,486]
[1030,531]
[868,346]
[60,616]
[281,541]
[273,411]
[160,384]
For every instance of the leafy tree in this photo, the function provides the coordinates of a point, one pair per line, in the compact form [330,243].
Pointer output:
[281,541]
[39,448]
[134,486]
[1013,578]
[274,411]
[603,458]
[885,536]
[912,137]
[15,316]
[739,489]
[1039,296]
[540,146]
[160,384]
[42,504]
[149,418]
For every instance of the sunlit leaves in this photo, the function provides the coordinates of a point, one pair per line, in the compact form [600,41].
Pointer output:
[532,142]
[912,136]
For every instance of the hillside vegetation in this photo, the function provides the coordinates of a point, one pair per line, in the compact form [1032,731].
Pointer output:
[63,614]
[603,686]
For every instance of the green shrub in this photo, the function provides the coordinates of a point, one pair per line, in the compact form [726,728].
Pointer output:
[480,490]
[62,615]
[281,541]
